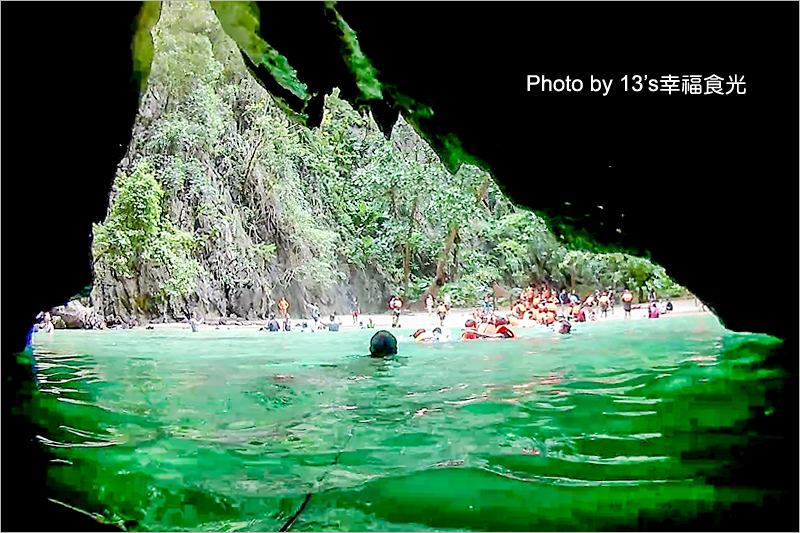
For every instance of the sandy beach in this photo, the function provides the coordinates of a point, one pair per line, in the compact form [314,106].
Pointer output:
[455,318]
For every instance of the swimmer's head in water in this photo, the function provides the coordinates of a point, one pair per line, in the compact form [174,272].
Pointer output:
[418,333]
[469,323]
[382,344]
[437,330]
[305,324]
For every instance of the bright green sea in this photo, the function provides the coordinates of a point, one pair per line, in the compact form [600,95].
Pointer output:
[619,424]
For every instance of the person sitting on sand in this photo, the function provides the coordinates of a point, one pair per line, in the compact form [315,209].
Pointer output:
[382,344]
[669,306]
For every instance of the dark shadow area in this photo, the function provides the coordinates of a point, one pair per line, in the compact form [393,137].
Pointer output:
[707,183]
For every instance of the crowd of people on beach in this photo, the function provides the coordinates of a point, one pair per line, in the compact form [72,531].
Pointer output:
[542,305]
[316,323]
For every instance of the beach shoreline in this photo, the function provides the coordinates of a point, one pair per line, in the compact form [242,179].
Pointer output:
[455,319]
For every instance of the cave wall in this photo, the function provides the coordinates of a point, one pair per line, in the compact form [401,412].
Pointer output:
[707,186]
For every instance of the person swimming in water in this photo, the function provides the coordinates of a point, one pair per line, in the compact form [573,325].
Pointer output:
[272,323]
[382,344]
[194,321]
[333,325]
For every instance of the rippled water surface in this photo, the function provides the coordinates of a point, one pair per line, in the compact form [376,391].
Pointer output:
[233,430]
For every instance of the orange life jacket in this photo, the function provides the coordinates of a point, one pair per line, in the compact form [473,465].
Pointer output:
[283,304]
[442,309]
[486,329]
[469,333]
[536,301]
[550,318]
[627,297]
[603,300]
[507,331]
[552,307]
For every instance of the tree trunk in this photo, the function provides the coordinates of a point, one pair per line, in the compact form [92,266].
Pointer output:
[441,267]
[407,245]
[455,261]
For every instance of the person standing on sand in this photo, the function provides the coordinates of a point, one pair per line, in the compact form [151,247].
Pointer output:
[603,301]
[563,299]
[429,305]
[283,306]
[396,304]
[354,310]
[442,311]
[627,300]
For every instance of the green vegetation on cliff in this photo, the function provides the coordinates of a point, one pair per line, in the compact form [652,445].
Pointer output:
[224,203]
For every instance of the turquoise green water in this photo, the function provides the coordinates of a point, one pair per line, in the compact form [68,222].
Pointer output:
[618,423]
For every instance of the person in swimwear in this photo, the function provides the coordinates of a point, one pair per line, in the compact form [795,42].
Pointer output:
[429,305]
[396,304]
[283,306]
[442,312]
[354,309]
[603,301]
[627,300]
